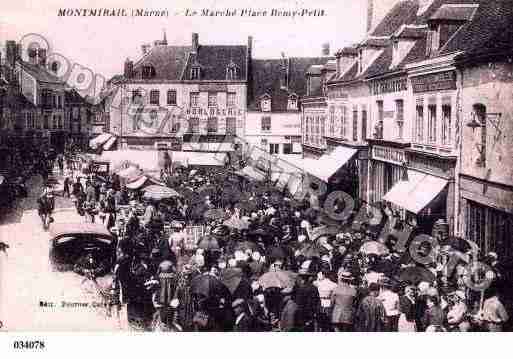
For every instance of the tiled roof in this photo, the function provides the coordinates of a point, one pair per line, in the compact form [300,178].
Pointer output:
[375,42]
[455,12]
[315,70]
[40,74]
[174,62]
[381,65]
[489,31]
[350,74]
[404,12]
[266,79]
[410,32]
[349,50]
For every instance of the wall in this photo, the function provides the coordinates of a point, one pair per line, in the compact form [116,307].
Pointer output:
[180,110]
[490,85]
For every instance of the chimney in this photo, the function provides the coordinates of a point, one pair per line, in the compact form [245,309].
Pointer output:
[41,54]
[338,55]
[129,68]
[32,56]
[370,14]
[326,49]
[145,48]
[195,42]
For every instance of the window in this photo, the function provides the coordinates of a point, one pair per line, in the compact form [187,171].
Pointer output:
[265,104]
[212,124]
[317,129]
[274,148]
[195,73]
[355,123]
[231,71]
[263,143]
[379,125]
[364,124]
[287,148]
[59,102]
[332,122]
[193,125]
[399,110]
[194,99]
[148,72]
[323,130]
[419,120]
[171,97]
[343,122]
[175,124]
[266,123]
[292,104]
[212,99]
[231,126]
[480,116]
[154,97]
[136,97]
[60,122]
[54,103]
[306,129]
[446,121]
[432,121]
[54,122]
[230,99]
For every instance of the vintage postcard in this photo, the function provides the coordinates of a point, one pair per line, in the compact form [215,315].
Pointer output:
[241,166]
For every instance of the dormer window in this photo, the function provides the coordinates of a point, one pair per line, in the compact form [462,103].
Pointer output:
[265,103]
[360,61]
[231,71]
[195,72]
[148,72]
[292,103]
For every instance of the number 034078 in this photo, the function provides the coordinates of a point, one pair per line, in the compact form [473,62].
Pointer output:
[29,344]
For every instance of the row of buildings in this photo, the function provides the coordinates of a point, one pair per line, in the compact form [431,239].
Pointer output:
[37,107]
[417,115]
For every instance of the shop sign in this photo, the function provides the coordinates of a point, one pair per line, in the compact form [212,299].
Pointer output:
[387,154]
[434,82]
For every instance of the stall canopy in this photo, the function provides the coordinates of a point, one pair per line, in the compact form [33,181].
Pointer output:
[199,158]
[110,142]
[143,181]
[100,140]
[417,192]
[146,160]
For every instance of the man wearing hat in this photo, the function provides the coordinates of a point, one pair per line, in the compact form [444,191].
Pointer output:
[457,314]
[390,301]
[243,322]
[343,298]
[307,299]
[370,316]
[288,316]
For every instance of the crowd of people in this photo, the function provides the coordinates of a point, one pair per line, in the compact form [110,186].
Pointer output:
[267,262]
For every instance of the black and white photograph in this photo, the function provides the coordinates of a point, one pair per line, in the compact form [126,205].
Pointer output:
[274,166]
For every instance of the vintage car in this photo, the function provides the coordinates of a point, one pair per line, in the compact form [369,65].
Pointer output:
[74,246]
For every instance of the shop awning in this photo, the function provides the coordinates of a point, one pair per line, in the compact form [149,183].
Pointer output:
[99,140]
[251,173]
[108,145]
[199,158]
[415,193]
[142,181]
[327,165]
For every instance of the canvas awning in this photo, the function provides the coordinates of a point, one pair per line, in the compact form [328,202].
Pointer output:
[142,181]
[251,173]
[417,192]
[99,140]
[199,158]
[328,164]
[110,142]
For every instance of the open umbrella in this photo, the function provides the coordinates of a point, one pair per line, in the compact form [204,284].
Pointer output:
[208,286]
[231,278]
[209,243]
[312,250]
[236,223]
[417,274]
[277,279]
[374,247]
[215,214]
[157,192]
[276,252]
[243,246]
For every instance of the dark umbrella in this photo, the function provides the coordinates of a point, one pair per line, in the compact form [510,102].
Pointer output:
[277,279]
[277,252]
[416,275]
[231,278]
[208,286]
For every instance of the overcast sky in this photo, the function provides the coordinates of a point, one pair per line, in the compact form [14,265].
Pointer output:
[103,43]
